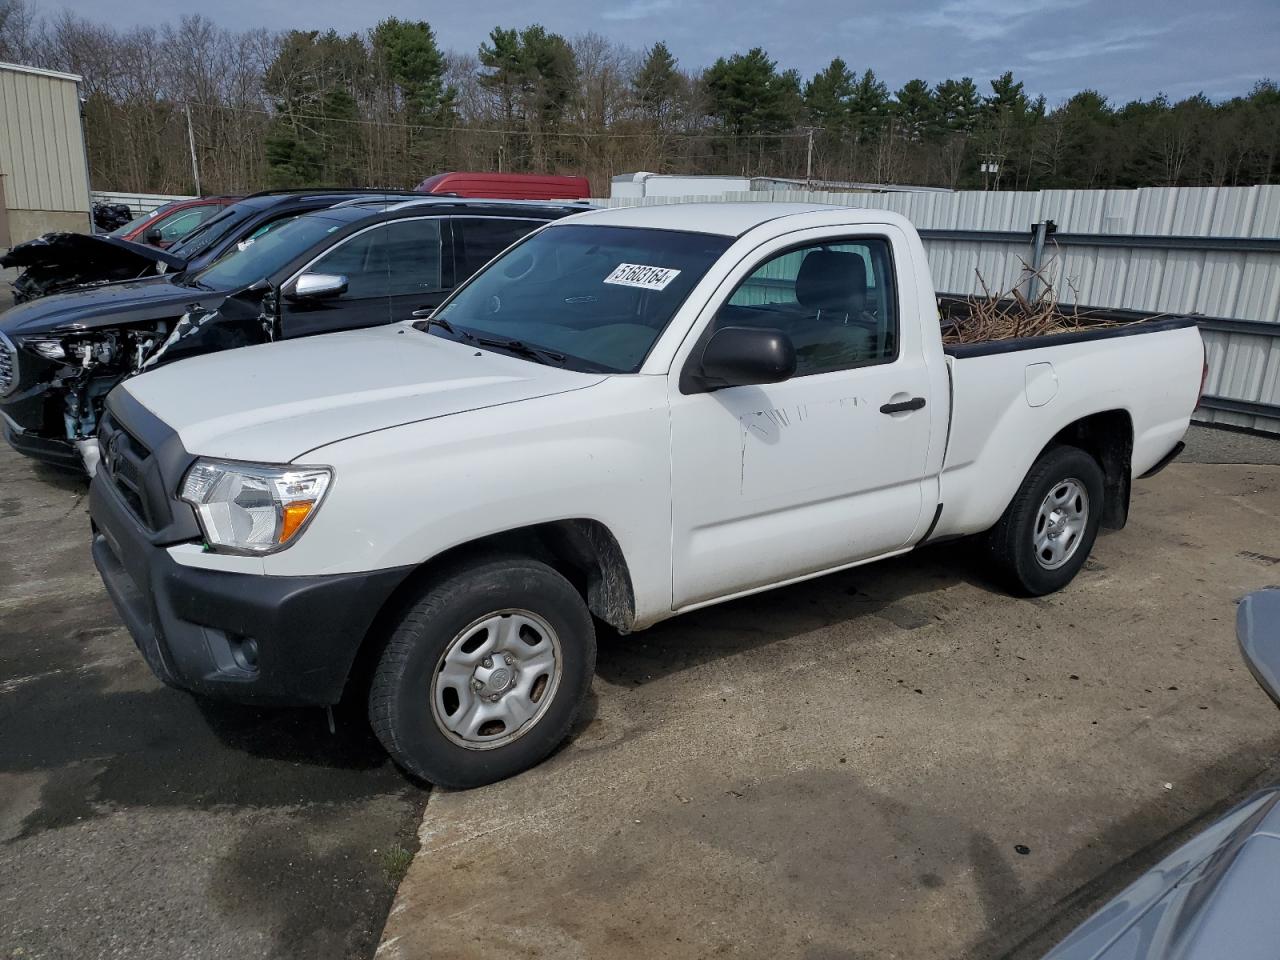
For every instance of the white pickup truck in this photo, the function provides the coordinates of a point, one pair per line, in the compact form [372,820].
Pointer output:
[628,415]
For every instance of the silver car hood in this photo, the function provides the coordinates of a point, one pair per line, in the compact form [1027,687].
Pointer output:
[1214,898]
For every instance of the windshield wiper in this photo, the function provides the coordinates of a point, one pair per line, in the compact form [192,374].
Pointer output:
[426,323]
[502,343]
[521,349]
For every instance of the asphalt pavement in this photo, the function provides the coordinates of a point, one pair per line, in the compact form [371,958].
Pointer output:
[855,761]
[138,822]
[895,761]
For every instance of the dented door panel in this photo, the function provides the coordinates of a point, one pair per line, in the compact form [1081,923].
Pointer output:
[771,482]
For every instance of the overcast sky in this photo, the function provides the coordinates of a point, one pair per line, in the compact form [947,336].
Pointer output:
[1125,48]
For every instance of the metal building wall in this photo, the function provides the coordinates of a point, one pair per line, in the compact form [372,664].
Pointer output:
[1237,284]
[42,153]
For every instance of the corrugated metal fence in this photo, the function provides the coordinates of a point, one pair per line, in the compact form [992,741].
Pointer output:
[139,203]
[1207,250]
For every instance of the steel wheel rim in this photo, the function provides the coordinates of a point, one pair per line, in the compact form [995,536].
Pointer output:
[1060,523]
[496,679]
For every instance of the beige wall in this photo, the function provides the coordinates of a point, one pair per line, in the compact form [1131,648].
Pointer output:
[42,156]
[25,224]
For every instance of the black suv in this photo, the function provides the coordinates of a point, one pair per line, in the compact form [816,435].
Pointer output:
[57,262]
[361,262]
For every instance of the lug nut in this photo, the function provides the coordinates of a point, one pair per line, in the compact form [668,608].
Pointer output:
[493,697]
[477,685]
[510,659]
[488,662]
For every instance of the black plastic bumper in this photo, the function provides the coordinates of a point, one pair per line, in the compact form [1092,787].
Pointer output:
[59,453]
[257,639]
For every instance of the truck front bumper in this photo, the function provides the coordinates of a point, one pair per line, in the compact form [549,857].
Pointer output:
[238,636]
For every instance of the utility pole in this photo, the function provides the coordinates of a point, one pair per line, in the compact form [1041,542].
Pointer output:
[191,140]
[808,164]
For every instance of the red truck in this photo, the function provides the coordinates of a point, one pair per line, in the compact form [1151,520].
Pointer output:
[507,186]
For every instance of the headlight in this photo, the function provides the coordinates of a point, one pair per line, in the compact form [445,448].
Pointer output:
[49,348]
[250,508]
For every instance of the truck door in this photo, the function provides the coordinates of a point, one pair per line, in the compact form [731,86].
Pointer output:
[774,481]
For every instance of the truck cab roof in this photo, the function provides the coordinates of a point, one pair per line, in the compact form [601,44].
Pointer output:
[732,219]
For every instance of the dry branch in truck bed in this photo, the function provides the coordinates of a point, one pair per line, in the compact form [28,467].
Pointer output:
[1008,315]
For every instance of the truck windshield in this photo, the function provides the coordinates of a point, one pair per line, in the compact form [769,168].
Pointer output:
[599,295]
[263,252]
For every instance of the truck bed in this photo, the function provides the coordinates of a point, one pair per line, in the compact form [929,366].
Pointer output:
[1097,323]
[1010,396]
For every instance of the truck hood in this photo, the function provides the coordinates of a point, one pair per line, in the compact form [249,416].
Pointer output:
[275,402]
[108,305]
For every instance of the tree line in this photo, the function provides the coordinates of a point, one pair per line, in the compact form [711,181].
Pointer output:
[389,107]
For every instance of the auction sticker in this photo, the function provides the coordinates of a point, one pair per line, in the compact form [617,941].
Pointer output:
[638,275]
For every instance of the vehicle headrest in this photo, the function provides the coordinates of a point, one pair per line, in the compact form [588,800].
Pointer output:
[830,280]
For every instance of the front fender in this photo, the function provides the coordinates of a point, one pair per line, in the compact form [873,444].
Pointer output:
[405,495]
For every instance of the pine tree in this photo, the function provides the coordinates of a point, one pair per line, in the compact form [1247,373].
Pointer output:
[656,84]
[828,96]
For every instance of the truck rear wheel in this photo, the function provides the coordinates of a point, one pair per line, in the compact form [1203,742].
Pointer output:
[484,674]
[1047,531]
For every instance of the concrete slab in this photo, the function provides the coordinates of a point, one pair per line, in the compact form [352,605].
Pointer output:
[895,761]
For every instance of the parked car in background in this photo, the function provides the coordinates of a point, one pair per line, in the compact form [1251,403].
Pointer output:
[629,414]
[58,262]
[1213,897]
[361,263]
[167,224]
[508,186]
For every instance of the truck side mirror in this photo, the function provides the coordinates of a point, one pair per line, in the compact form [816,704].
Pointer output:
[740,356]
[1258,632]
[318,286]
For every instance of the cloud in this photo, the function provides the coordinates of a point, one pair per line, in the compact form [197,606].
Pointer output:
[638,10]
[981,20]
[1138,38]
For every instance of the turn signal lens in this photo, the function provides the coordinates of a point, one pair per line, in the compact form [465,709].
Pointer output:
[294,515]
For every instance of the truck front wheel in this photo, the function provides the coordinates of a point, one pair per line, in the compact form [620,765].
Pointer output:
[484,674]
[1047,531]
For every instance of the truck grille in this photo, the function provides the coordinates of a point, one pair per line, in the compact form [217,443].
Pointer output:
[8,366]
[126,463]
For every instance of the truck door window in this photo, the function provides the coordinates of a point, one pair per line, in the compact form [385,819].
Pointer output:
[834,299]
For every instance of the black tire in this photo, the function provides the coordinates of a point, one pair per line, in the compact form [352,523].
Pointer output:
[401,698]
[1012,541]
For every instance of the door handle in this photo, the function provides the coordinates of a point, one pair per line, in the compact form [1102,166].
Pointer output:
[423,313]
[915,403]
